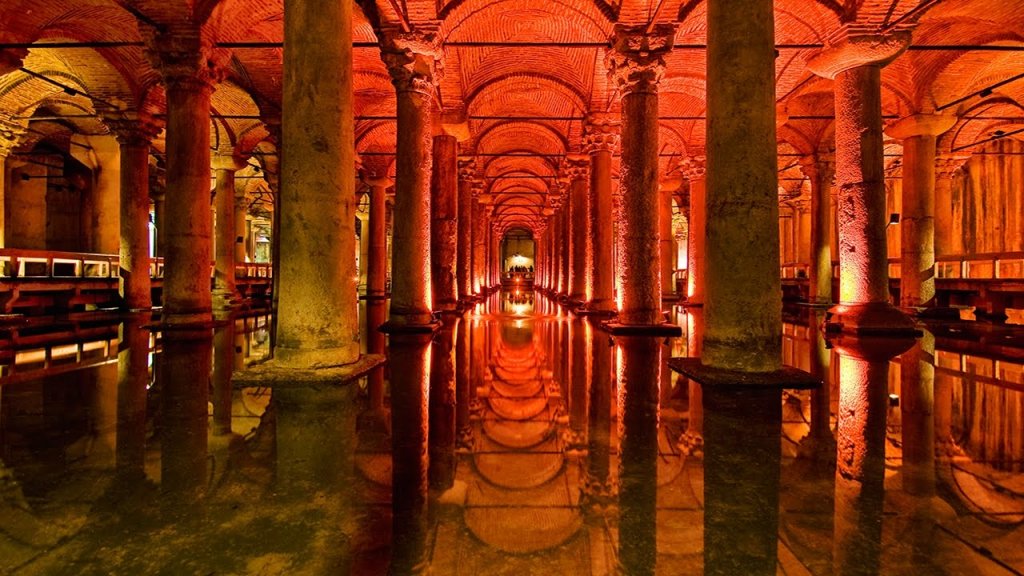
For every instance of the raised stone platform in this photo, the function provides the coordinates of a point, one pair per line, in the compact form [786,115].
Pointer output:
[785,378]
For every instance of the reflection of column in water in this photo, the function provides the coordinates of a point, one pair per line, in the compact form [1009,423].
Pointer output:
[223,365]
[820,444]
[442,406]
[742,457]
[374,424]
[860,452]
[638,381]
[598,487]
[409,389]
[692,441]
[184,390]
[917,379]
[463,380]
[132,382]
[580,360]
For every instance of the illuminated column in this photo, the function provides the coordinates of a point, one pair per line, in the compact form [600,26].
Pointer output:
[820,169]
[565,246]
[917,388]
[412,59]
[442,429]
[444,223]
[376,268]
[480,224]
[636,64]
[241,233]
[464,269]
[945,168]
[578,170]
[133,380]
[600,140]
[183,60]
[666,188]
[855,63]
[224,264]
[135,137]
[917,225]
[695,171]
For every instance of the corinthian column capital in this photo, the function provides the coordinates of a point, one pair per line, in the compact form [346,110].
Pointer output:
[414,57]
[636,62]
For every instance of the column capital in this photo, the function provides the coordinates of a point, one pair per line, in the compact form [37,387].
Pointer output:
[852,47]
[636,62]
[414,57]
[920,125]
[600,133]
[576,167]
[183,58]
[11,132]
[467,168]
[478,188]
[948,164]
[226,162]
[694,168]
[822,164]
[133,128]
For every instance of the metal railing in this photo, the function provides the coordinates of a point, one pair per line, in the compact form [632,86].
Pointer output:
[985,266]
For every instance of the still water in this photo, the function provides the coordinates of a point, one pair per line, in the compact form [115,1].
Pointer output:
[520,440]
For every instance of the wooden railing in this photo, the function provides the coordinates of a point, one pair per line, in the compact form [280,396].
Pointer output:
[40,264]
[987,266]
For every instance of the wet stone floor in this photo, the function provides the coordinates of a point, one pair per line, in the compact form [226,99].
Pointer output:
[520,440]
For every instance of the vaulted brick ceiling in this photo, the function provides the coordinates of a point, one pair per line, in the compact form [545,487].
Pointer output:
[553,82]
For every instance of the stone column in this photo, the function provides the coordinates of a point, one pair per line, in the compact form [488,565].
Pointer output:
[444,223]
[855,63]
[565,248]
[695,172]
[666,188]
[917,225]
[636,64]
[742,305]
[224,290]
[600,140]
[480,223]
[579,236]
[241,229]
[135,137]
[820,169]
[10,132]
[159,198]
[376,267]
[413,60]
[946,166]
[317,308]
[189,76]
[464,269]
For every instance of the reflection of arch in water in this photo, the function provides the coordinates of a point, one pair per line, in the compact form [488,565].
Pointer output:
[521,521]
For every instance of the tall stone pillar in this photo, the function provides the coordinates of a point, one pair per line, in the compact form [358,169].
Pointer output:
[946,166]
[600,140]
[135,137]
[413,60]
[224,289]
[10,132]
[480,224]
[855,64]
[666,188]
[636,64]
[565,247]
[695,172]
[464,268]
[820,169]
[159,198]
[240,209]
[183,60]
[579,229]
[376,267]
[444,223]
[917,225]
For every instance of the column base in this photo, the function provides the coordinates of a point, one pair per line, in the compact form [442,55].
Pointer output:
[595,309]
[815,304]
[619,329]
[374,297]
[786,377]
[671,297]
[399,327]
[186,319]
[276,374]
[872,318]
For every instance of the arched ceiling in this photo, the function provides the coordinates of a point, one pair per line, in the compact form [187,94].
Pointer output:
[525,73]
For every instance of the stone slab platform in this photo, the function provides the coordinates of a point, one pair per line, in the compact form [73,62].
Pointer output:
[786,378]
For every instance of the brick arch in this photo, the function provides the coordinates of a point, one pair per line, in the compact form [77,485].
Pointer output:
[588,20]
[495,132]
